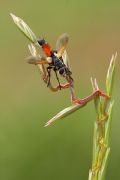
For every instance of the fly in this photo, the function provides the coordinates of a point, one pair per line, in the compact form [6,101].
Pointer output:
[54,59]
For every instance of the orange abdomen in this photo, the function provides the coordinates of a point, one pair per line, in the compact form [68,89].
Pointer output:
[47,49]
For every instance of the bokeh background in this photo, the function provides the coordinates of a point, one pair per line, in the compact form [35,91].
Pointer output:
[64,150]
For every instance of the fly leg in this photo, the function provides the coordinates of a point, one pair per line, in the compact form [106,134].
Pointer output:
[46,79]
[57,79]
[69,83]
[49,75]
[87,99]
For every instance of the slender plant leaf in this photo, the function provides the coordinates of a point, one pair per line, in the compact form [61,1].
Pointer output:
[65,112]
[108,123]
[97,99]
[102,172]
[32,50]
[24,28]
[95,144]
[102,129]
[110,75]
[90,175]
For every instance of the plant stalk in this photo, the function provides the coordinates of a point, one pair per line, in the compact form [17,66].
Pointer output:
[102,126]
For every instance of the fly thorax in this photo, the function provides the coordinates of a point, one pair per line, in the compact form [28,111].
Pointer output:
[57,62]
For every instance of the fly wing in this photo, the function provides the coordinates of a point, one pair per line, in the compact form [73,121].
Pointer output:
[66,59]
[62,41]
[36,60]
[61,45]
[36,56]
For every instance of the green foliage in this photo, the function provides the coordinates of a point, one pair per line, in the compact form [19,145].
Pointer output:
[110,75]
[101,138]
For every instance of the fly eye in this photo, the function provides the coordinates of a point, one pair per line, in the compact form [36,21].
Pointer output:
[61,71]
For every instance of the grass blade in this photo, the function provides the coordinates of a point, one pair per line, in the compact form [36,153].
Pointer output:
[24,28]
[65,112]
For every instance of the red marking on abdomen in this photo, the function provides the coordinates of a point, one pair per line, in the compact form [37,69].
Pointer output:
[47,49]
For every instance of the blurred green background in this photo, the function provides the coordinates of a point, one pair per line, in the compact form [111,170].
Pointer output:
[62,151]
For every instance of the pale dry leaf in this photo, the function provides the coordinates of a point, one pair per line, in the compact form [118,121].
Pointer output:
[65,112]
